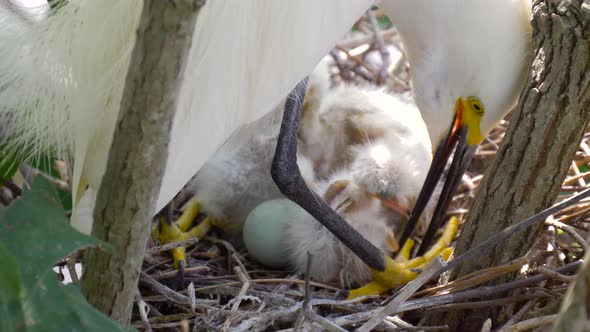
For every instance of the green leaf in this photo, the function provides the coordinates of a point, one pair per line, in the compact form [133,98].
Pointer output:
[384,22]
[10,160]
[11,311]
[35,234]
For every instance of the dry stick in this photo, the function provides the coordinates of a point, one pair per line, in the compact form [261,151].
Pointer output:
[365,39]
[240,270]
[167,292]
[583,211]
[265,281]
[143,309]
[570,230]
[159,275]
[487,303]
[530,324]
[549,261]
[405,326]
[509,231]
[342,66]
[481,292]
[555,275]
[408,290]
[307,308]
[360,63]
[478,277]
[581,181]
[172,245]
[385,56]
[519,314]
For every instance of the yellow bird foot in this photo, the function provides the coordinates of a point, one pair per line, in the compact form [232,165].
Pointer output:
[167,231]
[400,271]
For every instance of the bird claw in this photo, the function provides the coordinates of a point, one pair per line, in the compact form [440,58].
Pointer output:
[167,231]
[400,271]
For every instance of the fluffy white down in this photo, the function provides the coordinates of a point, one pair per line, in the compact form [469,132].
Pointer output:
[351,115]
[332,260]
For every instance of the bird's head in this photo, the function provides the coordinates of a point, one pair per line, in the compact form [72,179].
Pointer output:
[469,113]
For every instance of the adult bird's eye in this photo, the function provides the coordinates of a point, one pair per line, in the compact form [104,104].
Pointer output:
[476,106]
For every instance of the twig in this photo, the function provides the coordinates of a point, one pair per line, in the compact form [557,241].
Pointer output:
[360,63]
[237,301]
[307,307]
[454,297]
[143,310]
[572,232]
[354,42]
[581,181]
[409,327]
[485,304]
[478,277]
[530,324]
[159,275]
[555,275]
[408,290]
[343,68]
[509,231]
[518,316]
[265,281]
[385,56]
[172,245]
[167,292]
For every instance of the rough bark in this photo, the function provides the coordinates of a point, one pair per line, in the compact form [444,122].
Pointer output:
[137,158]
[537,150]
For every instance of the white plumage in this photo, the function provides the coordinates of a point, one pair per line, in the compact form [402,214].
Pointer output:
[332,260]
[462,48]
[63,78]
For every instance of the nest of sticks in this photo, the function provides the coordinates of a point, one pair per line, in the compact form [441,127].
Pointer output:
[222,289]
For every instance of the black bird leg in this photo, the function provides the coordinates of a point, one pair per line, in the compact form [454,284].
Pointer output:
[287,176]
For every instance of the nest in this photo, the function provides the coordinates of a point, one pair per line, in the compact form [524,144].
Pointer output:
[223,289]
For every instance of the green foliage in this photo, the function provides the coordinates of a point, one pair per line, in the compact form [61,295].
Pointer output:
[384,22]
[10,161]
[13,156]
[34,235]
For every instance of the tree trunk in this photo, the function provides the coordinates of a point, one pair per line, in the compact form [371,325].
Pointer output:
[537,150]
[127,196]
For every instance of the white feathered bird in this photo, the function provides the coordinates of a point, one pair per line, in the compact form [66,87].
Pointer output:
[468,65]
[62,78]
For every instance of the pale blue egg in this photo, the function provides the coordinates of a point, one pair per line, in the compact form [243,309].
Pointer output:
[265,229]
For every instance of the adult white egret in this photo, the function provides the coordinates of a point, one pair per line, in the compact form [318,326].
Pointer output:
[469,62]
[63,77]
[62,80]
